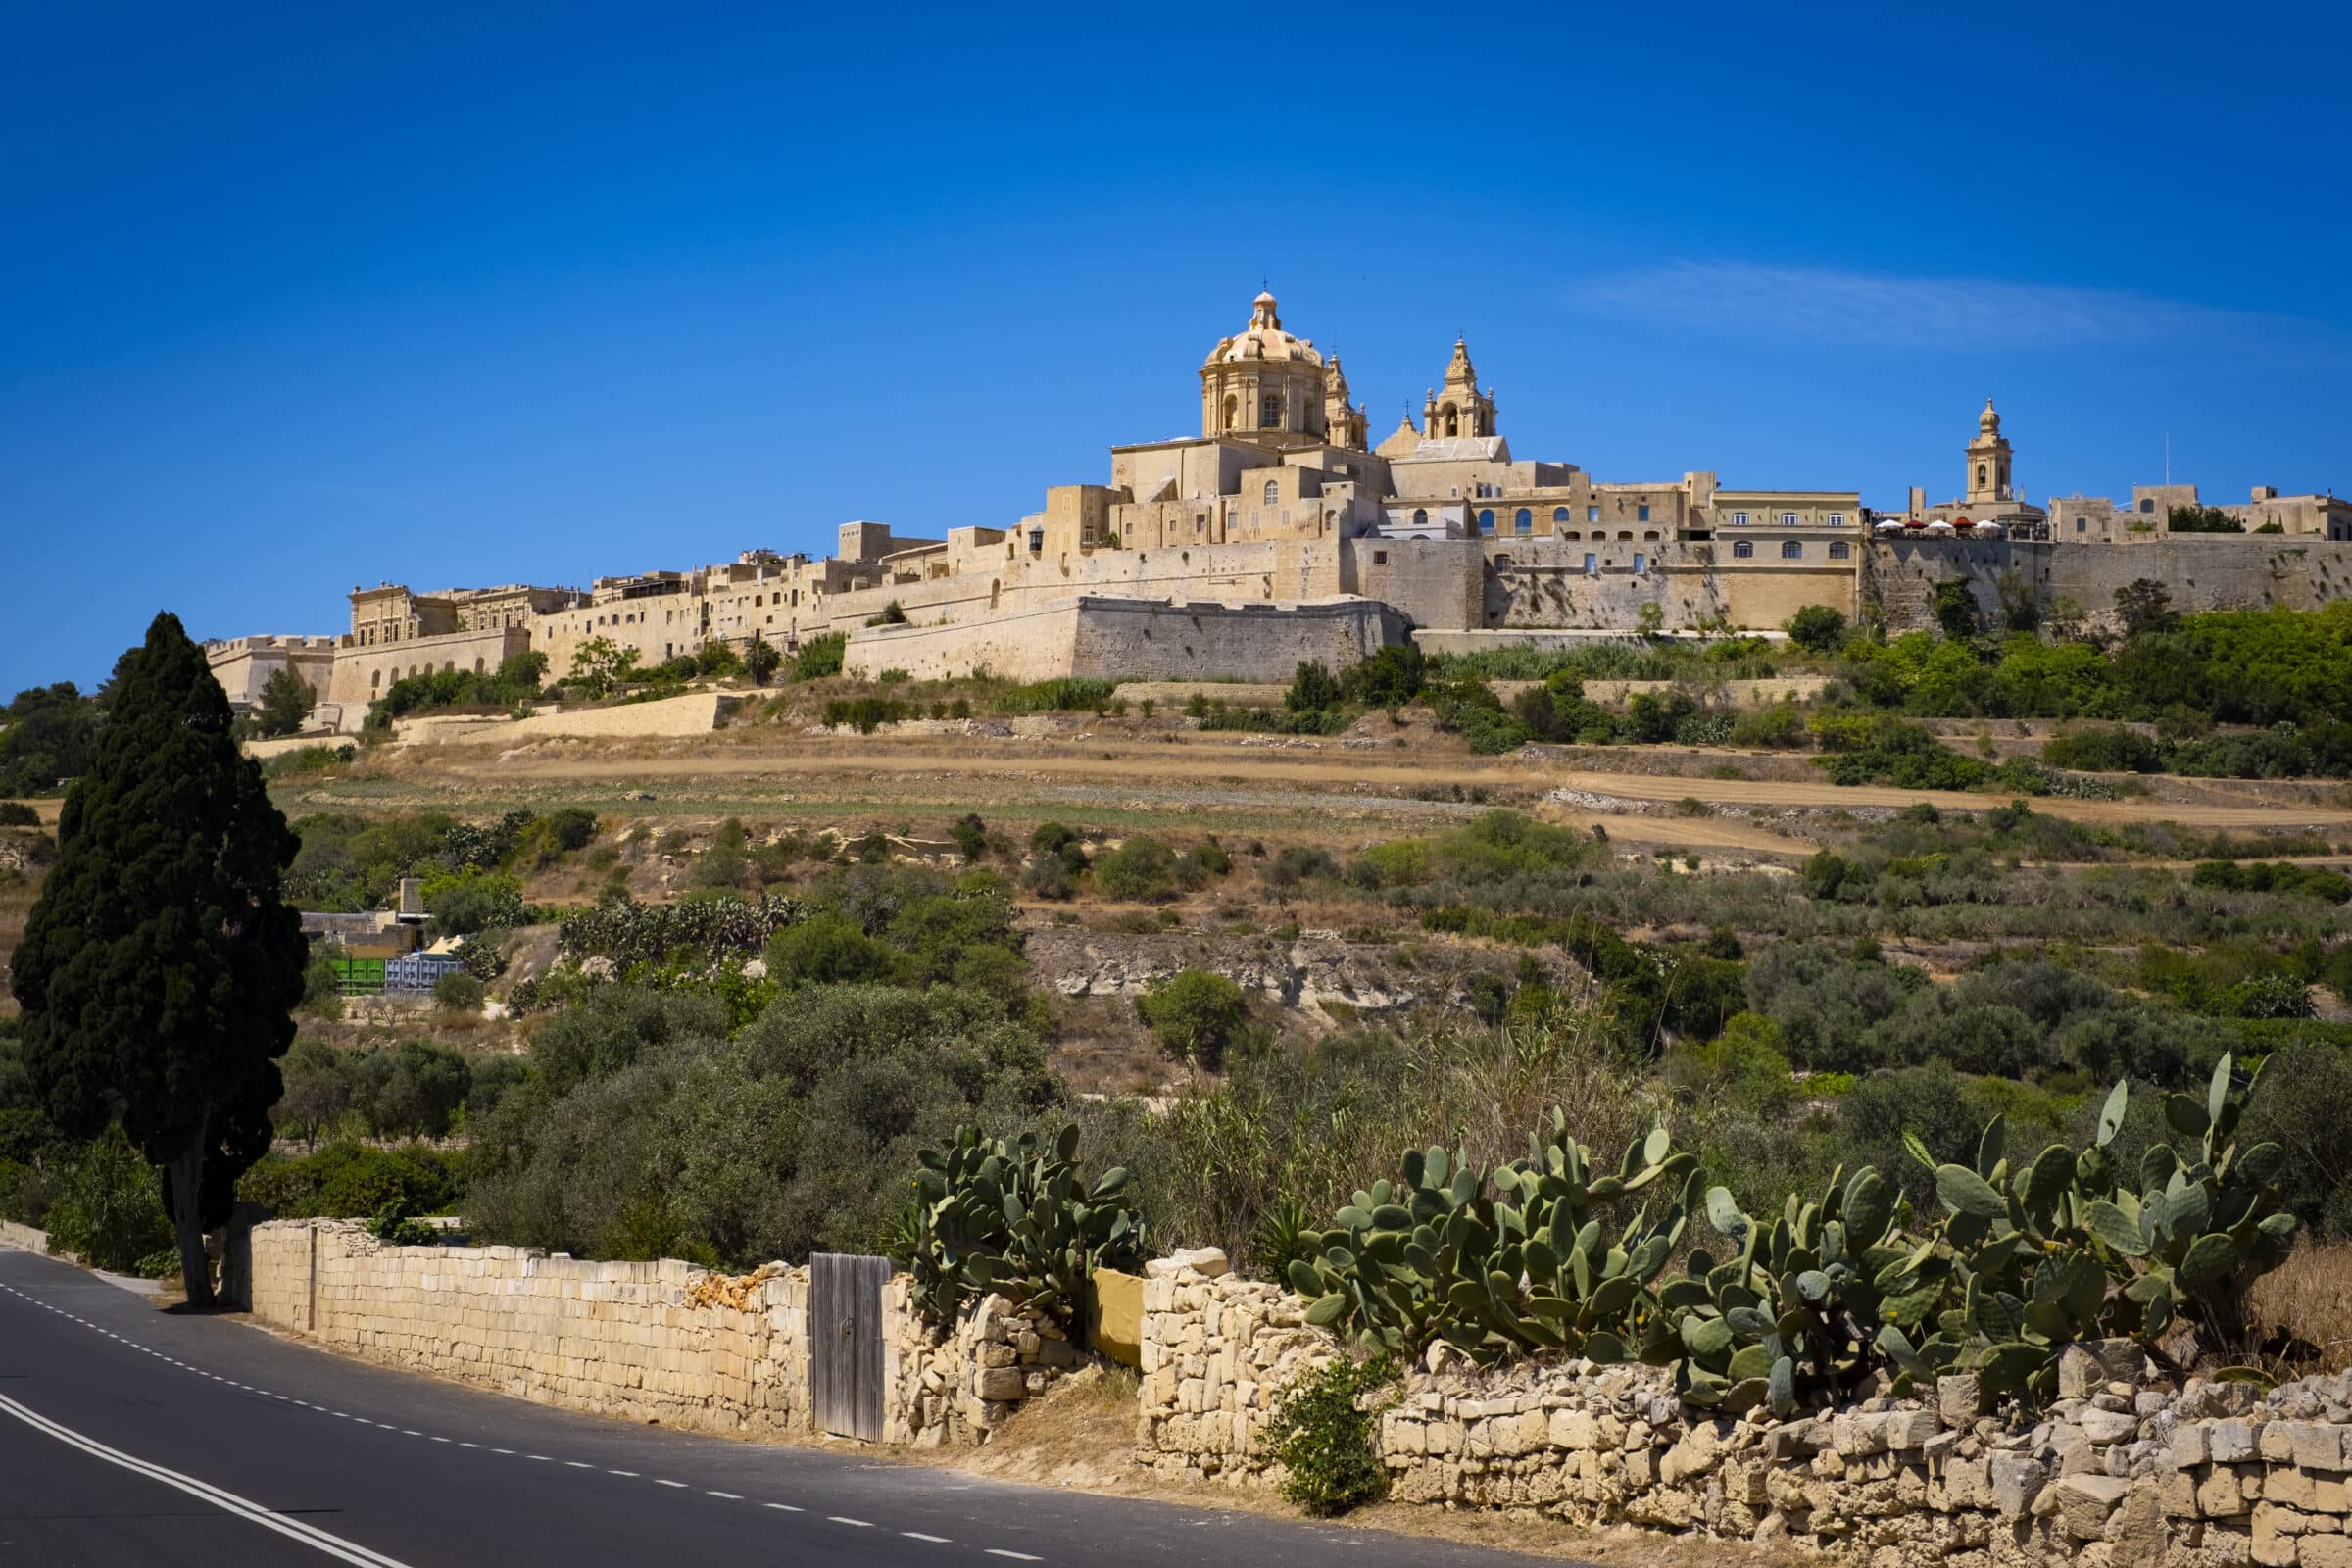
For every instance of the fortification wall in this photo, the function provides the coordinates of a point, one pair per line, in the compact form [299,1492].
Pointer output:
[1123,639]
[2200,571]
[1284,569]
[2120,1471]
[364,674]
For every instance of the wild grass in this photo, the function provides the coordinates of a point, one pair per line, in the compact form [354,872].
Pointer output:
[2300,1313]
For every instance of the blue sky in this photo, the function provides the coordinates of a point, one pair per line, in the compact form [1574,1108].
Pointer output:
[301,298]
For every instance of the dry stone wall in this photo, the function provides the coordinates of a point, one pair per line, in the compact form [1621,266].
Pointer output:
[953,1387]
[2122,1469]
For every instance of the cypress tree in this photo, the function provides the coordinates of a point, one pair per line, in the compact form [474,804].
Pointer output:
[159,965]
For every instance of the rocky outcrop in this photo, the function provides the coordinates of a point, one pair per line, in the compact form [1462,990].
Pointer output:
[1308,971]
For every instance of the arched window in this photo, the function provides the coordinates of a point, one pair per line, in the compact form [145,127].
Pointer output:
[1840,549]
[1232,409]
[1979,477]
[1453,423]
[1525,521]
[1650,534]
[1420,518]
[1486,520]
[1559,515]
[1273,491]
[2148,503]
[1741,549]
[1625,533]
[1792,548]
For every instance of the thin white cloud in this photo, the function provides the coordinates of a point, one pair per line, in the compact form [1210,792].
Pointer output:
[1828,306]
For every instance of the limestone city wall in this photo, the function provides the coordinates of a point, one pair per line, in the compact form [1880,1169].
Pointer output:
[1145,639]
[2122,1469]
[2200,571]
[364,674]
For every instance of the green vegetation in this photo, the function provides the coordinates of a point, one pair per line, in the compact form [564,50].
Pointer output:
[820,656]
[46,735]
[285,702]
[2201,520]
[1016,1219]
[515,680]
[166,888]
[1194,1014]
[1325,1435]
[1817,629]
[348,862]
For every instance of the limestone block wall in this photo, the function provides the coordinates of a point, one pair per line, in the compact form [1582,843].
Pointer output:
[1120,639]
[2201,573]
[627,1340]
[2122,1469]
[949,1387]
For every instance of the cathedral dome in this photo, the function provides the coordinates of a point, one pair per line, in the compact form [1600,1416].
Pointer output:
[1264,341]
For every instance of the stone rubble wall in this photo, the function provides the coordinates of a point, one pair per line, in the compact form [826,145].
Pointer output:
[614,1339]
[2122,1469]
[952,1387]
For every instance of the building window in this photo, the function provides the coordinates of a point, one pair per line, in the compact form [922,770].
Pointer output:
[1840,549]
[1642,512]
[1379,557]
[1625,534]
[1270,417]
[1525,521]
[1559,515]
[1741,549]
[1273,492]
[1739,520]
[1591,514]
[1639,561]
[1837,519]
[1792,548]
[1787,520]
[1420,518]
[2082,525]
[1651,535]
[1486,521]
[1592,564]
[2146,502]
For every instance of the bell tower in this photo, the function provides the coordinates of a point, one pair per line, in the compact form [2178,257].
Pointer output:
[1989,482]
[1459,408]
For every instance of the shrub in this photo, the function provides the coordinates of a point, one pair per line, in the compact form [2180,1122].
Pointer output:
[820,657]
[112,1210]
[471,901]
[1068,695]
[1313,690]
[572,827]
[1389,678]
[1325,1434]
[2104,749]
[457,992]
[1294,863]
[762,659]
[1195,1014]
[16,814]
[971,835]
[1140,867]
[829,948]
[866,714]
[1817,629]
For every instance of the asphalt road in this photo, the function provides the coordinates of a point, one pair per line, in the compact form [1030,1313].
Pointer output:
[134,1435]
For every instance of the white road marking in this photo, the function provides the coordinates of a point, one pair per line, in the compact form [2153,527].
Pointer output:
[843,1519]
[731,1496]
[631,1474]
[783,1507]
[917,1534]
[309,1534]
[658,1482]
[1017,1556]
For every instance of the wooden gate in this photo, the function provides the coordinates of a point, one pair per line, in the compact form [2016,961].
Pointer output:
[845,1350]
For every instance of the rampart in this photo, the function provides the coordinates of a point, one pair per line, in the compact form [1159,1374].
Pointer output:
[1137,639]
[364,674]
[2200,573]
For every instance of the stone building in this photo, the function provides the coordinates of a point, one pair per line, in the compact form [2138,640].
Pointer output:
[1224,553]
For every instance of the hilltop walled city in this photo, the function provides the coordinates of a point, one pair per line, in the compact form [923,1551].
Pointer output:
[1281,534]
